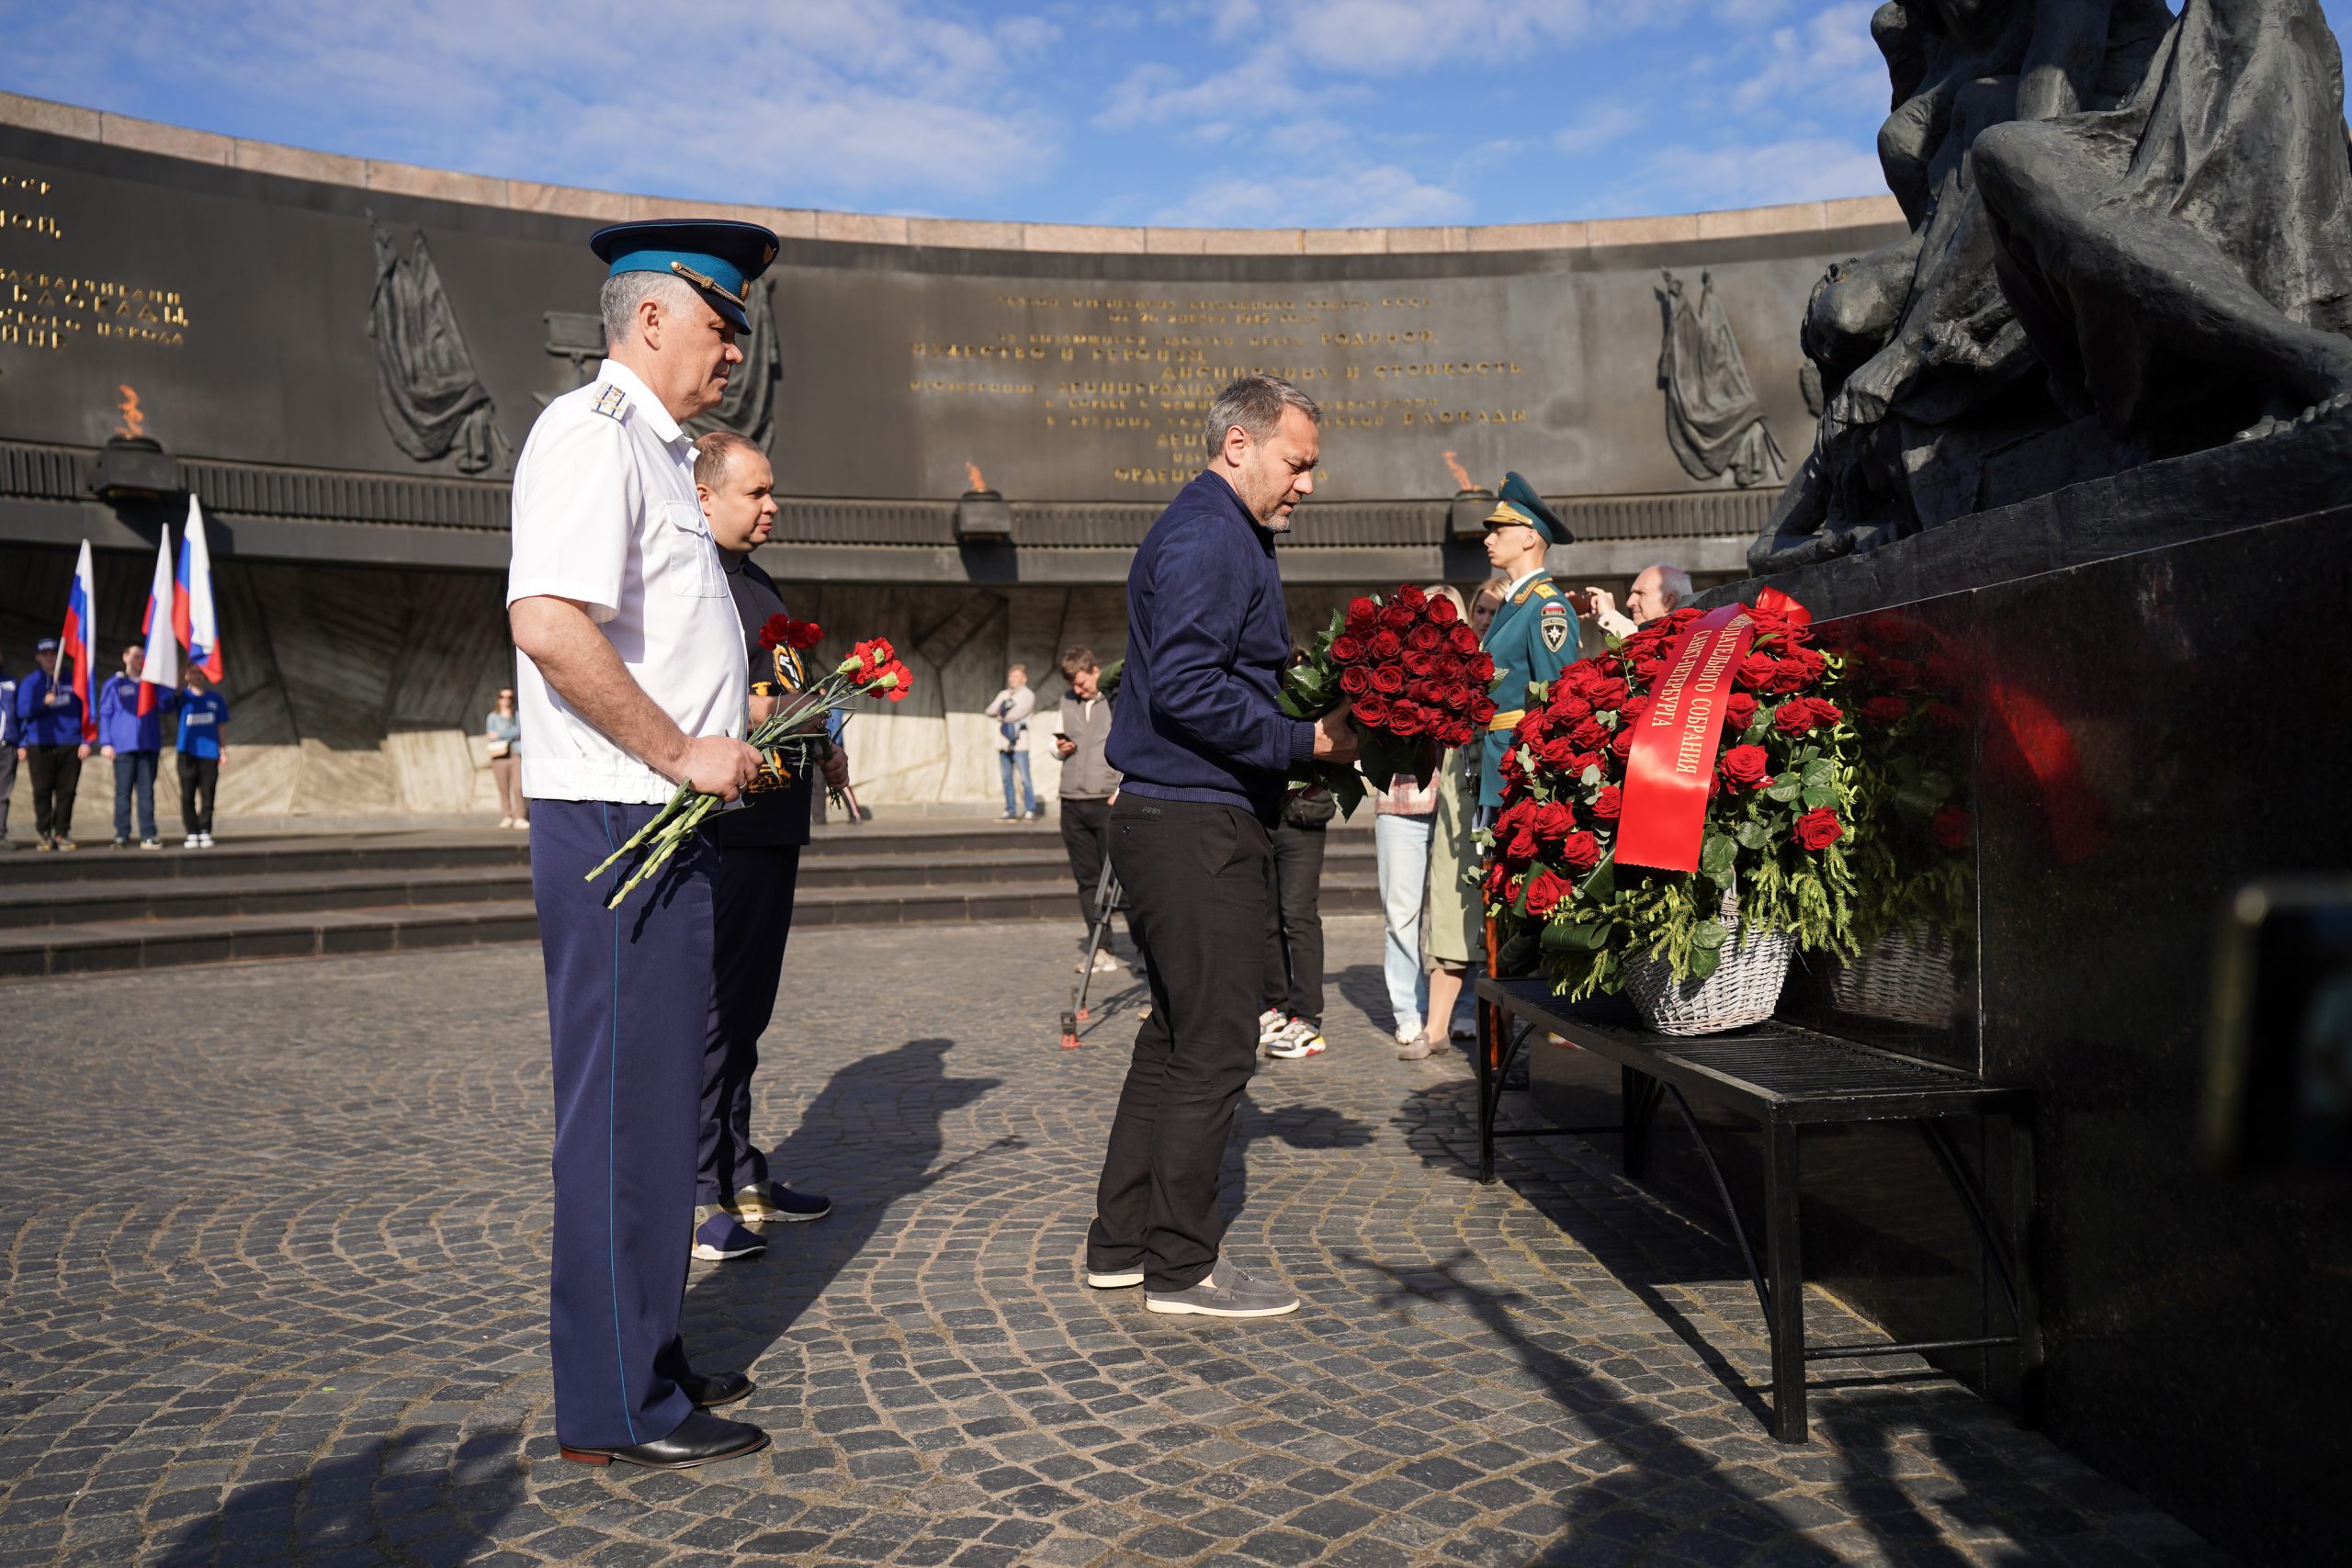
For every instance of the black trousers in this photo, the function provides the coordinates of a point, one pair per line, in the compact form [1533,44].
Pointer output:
[1196,877]
[1294,924]
[199,777]
[752,888]
[1086,838]
[56,772]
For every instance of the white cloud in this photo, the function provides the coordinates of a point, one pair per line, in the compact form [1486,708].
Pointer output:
[1348,196]
[1826,61]
[1687,179]
[1596,128]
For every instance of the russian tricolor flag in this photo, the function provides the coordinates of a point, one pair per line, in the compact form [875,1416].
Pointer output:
[194,620]
[80,640]
[161,672]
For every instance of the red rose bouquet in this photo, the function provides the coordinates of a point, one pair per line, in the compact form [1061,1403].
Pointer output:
[796,731]
[1412,678]
[1775,827]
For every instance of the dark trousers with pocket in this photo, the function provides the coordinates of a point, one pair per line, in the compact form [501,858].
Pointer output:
[1293,949]
[629,1006]
[1086,838]
[56,773]
[751,889]
[200,778]
[1196,877]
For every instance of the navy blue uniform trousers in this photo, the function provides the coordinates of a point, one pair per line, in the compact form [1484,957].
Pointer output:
[628,997]
[752,888]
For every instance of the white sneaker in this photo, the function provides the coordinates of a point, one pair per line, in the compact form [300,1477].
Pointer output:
[195,841]
[506,821]
[1271,1024]
[204,840]
[1299,1039]
[1104,963]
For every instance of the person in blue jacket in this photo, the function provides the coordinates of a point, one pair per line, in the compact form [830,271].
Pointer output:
[133,741]
[204,713]
[7,752]
[48,740]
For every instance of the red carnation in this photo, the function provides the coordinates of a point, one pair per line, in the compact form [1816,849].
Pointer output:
[1545,891]
[872,656]
[1386,645]
[1355,681]
[1580,852]
[805,634]
[776,633]
[1818,829]
[1739,712]
[1885,710]
[1608,803]
[1371,711]
[1442,612]
[1950,827]
[1347,650]
[1744,766]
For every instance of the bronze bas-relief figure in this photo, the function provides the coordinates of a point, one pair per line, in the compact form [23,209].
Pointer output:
[2130,238]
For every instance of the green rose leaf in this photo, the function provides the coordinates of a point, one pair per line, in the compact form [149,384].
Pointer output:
[1575,936]
[1709,934]
[1820,796]
[1785,790]
[1703,961]
[1753,835]
[1717,854]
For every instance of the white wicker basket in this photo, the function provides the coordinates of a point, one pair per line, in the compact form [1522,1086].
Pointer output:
[1906,976]
[1744,989]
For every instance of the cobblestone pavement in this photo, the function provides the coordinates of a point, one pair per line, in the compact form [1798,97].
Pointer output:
[274,1292]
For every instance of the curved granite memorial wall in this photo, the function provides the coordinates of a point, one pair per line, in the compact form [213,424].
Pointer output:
[340,359]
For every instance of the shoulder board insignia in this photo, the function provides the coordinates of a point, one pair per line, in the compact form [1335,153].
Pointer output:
[1544,590]
[612,402]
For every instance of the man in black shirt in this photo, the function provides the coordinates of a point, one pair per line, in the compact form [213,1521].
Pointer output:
[759,861]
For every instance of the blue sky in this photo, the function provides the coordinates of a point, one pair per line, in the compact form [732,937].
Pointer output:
[1200,112]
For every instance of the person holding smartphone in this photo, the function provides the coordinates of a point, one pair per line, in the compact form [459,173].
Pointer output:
[1089,782]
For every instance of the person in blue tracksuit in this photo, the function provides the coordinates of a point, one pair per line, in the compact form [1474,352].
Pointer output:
[133,742]
[204,713]
[7,752]
[48,740]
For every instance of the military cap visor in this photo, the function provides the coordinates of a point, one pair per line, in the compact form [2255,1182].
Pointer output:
[1519,504]
[720,257]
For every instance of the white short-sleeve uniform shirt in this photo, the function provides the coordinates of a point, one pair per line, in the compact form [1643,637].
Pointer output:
[606,513]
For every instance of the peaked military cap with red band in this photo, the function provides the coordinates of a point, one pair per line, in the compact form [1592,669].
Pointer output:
[1517,502]
[720,257]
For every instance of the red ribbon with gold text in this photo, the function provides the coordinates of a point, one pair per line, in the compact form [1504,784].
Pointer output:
[1674,744]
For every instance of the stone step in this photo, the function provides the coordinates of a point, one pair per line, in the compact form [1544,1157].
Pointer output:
[179,939]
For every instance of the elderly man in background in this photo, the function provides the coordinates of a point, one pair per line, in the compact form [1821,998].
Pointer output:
[1204,752]
[632,682]
[754,879]
[1656,591]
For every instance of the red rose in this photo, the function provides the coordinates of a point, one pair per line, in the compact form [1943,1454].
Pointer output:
[1885,710]
[1755,672]
[1510,769]
[1363,614]
[1482,709]
[1556,754]
[1801,716]
[1387,680]
[1426,637]
[1647,670]
[1371,711]
[1951,827]
[1818,829]
[1416,662]
[1513,817]
[776,633]
[1622,741]
[1407,719]
[1355,681]
[1442,612]
[1386,646]
[1457,732]
[1685,615]
[1546,892]
[1491,886]
[1799,668]
[1632,709]
[1606,693]
[1589,735]
[1396,617]
[1482,666]
[1567,707]
[1611,800]
[1555,819]
[1464,640]
[1520,847]
[1347,650]
[1744,766]
[1580,852]
[1412,598]
[1739,712]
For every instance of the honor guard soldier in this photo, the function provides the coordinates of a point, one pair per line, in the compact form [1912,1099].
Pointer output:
[1533,636]
[632,682]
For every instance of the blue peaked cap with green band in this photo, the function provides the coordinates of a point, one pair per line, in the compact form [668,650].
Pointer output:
[720,257]
[1519,504]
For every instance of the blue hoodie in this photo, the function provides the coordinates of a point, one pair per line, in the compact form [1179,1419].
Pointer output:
[120,724]
[1208,637]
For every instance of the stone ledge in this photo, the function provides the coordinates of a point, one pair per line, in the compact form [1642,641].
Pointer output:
[884,228]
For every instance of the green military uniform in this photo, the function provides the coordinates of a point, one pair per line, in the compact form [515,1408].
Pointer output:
[1533,636]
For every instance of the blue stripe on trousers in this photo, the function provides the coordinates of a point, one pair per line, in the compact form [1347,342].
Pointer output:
[629,997]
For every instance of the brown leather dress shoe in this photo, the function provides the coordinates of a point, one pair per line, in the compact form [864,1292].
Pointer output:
[710,1391]
[701,1438]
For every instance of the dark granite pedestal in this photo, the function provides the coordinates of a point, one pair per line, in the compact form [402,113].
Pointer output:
[2149,731]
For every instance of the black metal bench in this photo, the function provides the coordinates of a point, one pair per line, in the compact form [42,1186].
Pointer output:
[1782,1078]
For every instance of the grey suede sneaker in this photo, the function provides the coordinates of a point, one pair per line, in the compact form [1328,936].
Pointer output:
[1226,1291]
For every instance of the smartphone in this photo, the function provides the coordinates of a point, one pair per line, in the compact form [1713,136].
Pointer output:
[1062,737]
[2278,1034]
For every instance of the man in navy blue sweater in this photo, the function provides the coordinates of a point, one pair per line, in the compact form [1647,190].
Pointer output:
[1204,753]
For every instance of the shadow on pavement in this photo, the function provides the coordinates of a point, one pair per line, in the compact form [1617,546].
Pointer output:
[413,1496]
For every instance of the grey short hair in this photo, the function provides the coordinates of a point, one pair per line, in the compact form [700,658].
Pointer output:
[624,291]
[1674,582]
[1256,405]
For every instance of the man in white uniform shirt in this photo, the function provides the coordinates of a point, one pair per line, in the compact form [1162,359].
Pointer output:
[631,682]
